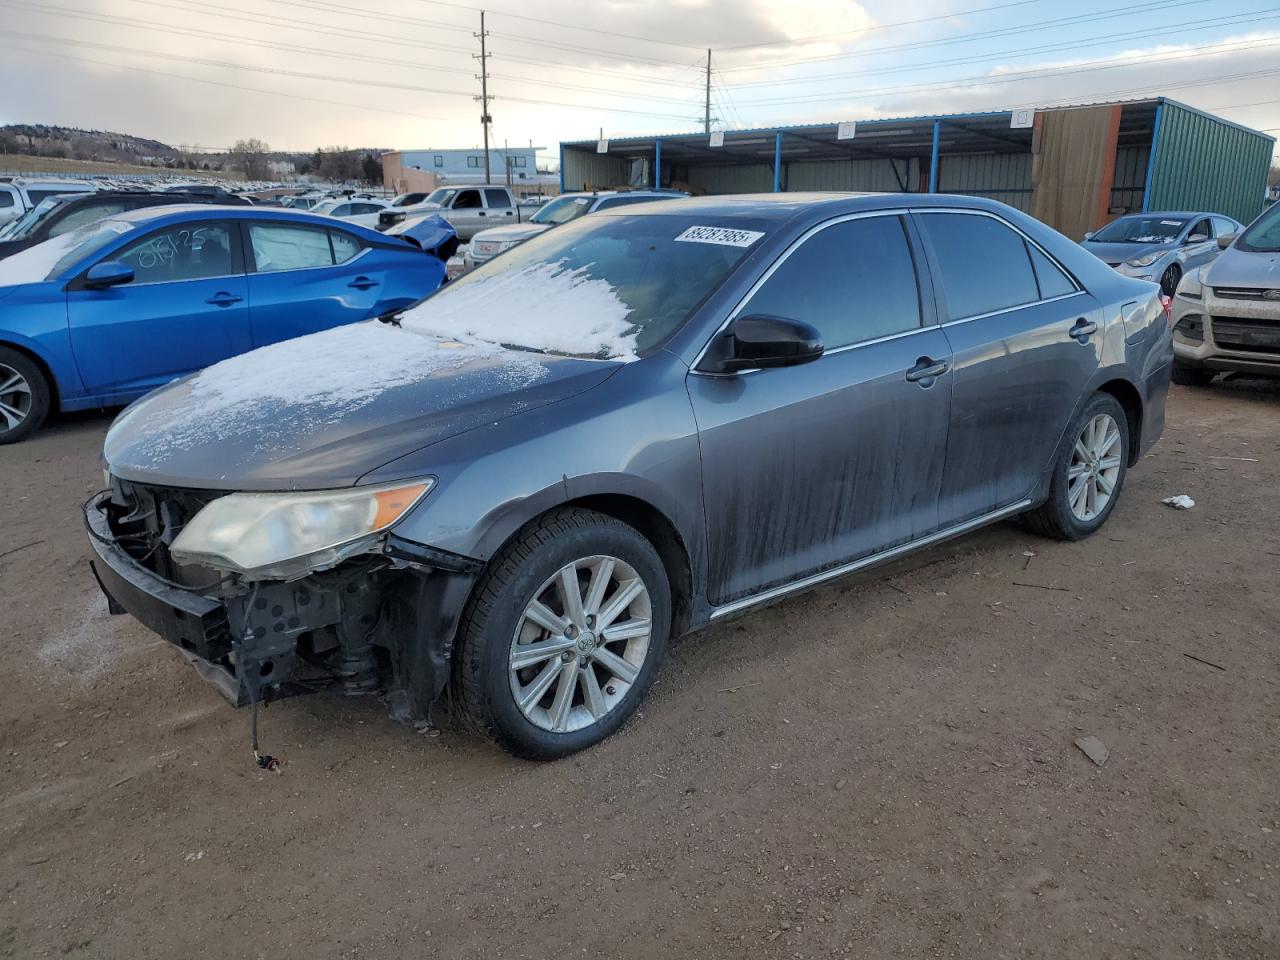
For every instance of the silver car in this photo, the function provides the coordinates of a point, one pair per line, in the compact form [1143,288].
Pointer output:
[1162,247]
[487,244]
[1227,314]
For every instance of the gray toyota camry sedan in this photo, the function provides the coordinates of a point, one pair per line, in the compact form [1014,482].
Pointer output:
[619,432]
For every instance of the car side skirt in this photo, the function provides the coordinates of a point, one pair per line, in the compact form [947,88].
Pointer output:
[874,559]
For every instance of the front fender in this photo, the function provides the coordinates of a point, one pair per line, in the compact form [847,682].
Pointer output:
[35,321]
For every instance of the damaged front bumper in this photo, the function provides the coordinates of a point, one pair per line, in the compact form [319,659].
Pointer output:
[379,623]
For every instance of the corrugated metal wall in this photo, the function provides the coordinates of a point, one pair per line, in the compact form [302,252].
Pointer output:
[746,178]
[582,167]
[1130,179]
[1205,164]
[1005,177]
[873,176]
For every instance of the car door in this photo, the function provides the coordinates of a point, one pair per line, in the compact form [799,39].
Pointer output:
[184,309]
[467,214]
[305,278]
[1197,253]
[808,467]
[499,208]
[1025,342]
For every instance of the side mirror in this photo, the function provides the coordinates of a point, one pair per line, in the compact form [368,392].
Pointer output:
[762,341]
[1089,235]
[1227,240]
[1197,238]
[109,273]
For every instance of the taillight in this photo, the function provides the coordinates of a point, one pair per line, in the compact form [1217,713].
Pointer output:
[1167,303]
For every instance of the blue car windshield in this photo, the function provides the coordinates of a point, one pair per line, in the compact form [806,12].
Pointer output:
[603,287]
[1140,230]
[1263,236]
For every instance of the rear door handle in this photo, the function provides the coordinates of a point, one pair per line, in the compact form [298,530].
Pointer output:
[1083,329]
[223,299]
[362,283]
[927,368]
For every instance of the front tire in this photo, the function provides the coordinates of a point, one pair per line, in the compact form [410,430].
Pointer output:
[1169,280]
[1088,474]
[564,634]
[24,396]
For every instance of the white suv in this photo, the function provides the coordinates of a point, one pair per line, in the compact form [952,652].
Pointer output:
[21,194]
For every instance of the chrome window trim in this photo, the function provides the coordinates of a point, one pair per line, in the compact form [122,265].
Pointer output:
[874,559]
[1021,306]
[782,258]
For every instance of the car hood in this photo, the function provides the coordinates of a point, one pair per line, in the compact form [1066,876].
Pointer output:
[1120,252]
[517,231]
[320,411]
[1243,268]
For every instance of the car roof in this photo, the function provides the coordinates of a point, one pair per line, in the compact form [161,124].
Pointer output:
[783,207]
[178,210]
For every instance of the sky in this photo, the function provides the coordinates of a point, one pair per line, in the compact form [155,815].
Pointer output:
[402,73]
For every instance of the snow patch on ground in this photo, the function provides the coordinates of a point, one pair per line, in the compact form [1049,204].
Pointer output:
[89,642]
[33,264]
[545,306]
[326,375]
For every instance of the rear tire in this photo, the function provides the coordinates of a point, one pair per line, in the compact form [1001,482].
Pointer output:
[25,396]
[1188,376]
[545,671]
[1088,473]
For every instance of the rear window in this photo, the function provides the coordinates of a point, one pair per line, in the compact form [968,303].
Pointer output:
[984,264]
[602,287]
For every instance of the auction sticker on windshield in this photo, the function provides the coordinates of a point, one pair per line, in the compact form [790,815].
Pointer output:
[724,236]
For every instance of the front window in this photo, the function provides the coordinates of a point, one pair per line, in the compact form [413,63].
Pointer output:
[1141,230]
[562,210]
[1263,236]
[185,252]
[602,288]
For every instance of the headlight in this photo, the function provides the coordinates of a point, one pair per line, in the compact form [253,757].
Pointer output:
[1146,260]
[284,535]
[1189,287]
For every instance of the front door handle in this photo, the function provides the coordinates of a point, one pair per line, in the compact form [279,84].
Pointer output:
[928,369]
[1083,329]
[223,299]
[362,283]
[481,213]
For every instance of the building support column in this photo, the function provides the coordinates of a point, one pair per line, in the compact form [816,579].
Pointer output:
[535,167]
[657,164]
[933,158]
[777,162]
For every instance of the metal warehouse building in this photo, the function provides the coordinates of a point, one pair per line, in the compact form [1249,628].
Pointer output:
[1075,168]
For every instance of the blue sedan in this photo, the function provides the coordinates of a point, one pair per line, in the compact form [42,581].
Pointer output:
[102,315]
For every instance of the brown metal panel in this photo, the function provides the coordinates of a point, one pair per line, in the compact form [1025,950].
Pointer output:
[1073,167]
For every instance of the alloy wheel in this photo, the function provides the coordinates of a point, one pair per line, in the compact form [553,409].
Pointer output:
[1095,468]
[580,644]
[15,398]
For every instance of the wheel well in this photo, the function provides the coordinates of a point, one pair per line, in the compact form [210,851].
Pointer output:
[1129,398]
[657,529]
[44,369]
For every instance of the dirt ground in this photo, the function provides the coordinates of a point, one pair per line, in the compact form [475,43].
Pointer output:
[884,768]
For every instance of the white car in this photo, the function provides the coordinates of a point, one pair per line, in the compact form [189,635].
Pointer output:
[364,212]
[21,194]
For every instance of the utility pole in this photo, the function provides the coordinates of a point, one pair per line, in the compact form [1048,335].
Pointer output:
[706,116]
[485,119]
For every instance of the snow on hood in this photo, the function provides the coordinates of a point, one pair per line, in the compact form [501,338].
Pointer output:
[542,306]
[272,396]
[33,264]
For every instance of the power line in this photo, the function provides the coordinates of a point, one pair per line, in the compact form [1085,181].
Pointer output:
[136,23]
[297,74]
[1074,20]
[1040,73]
[1166,30]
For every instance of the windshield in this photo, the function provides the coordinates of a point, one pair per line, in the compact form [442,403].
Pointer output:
[85,241]
[441,196]
[26,223]
[1140,230]
[327,207]
[602,288]
[1263,235]
[562,210]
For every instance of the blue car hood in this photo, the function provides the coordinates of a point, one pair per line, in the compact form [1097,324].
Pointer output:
[1120,252]
[320,411]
